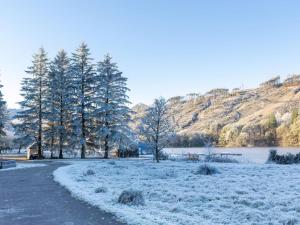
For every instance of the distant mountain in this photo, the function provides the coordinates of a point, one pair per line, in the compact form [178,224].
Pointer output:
[140,108]
[263,116]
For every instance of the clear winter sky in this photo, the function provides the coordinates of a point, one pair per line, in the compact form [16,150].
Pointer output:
[164,47]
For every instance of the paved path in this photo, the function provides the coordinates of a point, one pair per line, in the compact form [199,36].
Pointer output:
[31,197]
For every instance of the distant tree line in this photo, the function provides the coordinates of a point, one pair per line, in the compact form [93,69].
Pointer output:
[73,103]
[190,140]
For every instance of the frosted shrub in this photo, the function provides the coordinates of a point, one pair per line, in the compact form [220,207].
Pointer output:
[289,159]
[131,197]
[283,159]
[101,190]
[89,172]
[206,169]
[290,222]
[297,158]
[163,156]
[272,155]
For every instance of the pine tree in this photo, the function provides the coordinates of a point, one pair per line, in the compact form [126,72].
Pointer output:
[31,117]
[156,127]
[112,112]
[58,119]
[25,131]
[82,84]
[3,116]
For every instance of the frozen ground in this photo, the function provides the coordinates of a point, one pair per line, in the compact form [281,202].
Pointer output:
[24,166]
[174,194]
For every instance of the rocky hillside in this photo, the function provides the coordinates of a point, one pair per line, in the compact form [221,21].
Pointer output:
[264,116]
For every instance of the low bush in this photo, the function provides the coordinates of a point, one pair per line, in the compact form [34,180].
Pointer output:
[101,190]
[131,197]
[89,172]
[290,222]
[283,159]
[206,169]
[163,156]
[272,155]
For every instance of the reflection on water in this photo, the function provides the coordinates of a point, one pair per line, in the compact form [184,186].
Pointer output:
[256,155]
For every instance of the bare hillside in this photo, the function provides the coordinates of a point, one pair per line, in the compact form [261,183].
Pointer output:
[267,115]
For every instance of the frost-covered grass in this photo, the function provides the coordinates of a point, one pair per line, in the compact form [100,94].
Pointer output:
[175,194]
[24,166]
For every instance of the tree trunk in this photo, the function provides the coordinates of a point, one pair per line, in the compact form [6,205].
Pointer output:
[61,125]
[106,147]
[106,125]
[60,147]
[52,142]
[157,155]
[83,151]
[83,136]
[82,119]
[157,139]
[40,121]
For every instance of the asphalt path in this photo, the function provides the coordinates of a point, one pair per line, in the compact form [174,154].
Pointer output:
[31,197]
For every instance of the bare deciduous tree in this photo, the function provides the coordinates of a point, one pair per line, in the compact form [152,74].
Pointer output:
[156,127]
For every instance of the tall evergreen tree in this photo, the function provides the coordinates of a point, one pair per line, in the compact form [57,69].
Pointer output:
[31,116]
[82,93]
[112,112]
[3,115]
[57,106]
[25,130]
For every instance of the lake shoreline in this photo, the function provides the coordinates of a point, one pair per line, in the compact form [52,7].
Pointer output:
[248,154]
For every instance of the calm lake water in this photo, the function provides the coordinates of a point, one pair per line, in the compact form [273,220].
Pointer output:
[254,155]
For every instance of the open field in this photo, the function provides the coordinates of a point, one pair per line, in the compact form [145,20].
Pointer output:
[175,194]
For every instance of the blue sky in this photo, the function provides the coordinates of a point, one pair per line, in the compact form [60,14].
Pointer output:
[164,47]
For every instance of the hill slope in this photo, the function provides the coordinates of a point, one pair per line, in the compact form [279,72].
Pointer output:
[240,117]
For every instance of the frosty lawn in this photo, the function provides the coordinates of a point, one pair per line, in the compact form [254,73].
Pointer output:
[175,194]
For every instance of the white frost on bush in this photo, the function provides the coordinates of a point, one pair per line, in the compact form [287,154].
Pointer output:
[89,172]
[101,190]
[131,197]
[206,169]
[174,195]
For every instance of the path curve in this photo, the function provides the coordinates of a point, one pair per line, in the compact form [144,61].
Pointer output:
[31,197]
